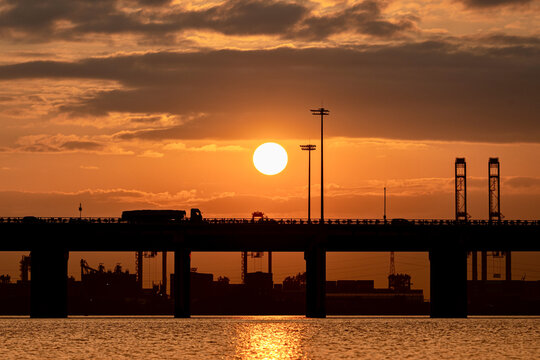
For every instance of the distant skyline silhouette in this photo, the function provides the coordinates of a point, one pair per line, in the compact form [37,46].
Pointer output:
[160,105]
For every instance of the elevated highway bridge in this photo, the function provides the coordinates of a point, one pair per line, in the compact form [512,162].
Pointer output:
[448,242]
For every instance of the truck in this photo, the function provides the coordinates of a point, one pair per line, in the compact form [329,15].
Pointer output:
[160,216]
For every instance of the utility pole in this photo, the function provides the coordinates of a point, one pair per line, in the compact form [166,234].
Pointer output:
[322,112]
[309,148]
[384,216]
[80,210]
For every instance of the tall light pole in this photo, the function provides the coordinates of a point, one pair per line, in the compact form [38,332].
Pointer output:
[309,148]
[322,112]
[384,216]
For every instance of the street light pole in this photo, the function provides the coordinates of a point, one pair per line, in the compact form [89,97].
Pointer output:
[384,216]
[322,112]
[309,148]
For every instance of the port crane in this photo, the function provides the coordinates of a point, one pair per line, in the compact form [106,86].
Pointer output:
[256,216]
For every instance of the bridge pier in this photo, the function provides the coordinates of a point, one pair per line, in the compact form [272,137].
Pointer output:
[448,282]
[182,274]
[48,283]
[508,258]
[484,265]
[315,282]
[474,256]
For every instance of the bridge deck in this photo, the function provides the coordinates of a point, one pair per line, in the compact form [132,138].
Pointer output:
[240,235]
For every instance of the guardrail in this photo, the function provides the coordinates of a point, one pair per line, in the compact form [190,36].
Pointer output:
[289,221]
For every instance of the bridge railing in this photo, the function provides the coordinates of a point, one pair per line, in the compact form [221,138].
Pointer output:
[284,221]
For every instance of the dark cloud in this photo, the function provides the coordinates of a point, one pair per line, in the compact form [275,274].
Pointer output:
[81,145]
[509,40]
[146,120]
[522,182]
[54,144]
[427,90]
[28,20]
[364,18]
[153,2]
[494,3]
[244,17]
[37,148]
[38,20]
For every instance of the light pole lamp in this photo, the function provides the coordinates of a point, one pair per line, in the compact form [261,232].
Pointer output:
[309,148]
[322,112]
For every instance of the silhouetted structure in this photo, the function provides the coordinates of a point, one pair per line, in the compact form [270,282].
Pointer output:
[153,216]
[105,292]
[461,189]
[448,241]
[163,288]
[256,216]
[157,217]
[384,208]
[309,148]
[399,282]
[495,215]
[322,112]
[24,267]
[461,204]
[504,297]
[494,190]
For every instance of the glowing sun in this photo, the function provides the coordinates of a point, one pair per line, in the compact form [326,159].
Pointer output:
[270,158]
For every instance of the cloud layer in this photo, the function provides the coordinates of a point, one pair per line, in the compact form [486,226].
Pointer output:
[412,198]
[72,20]
[482,4]
[425,90]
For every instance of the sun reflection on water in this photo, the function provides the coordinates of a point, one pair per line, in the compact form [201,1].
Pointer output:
[273,338]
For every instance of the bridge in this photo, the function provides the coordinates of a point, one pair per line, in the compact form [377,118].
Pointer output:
[448,242]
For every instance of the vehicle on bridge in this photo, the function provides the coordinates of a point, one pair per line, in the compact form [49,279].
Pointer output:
[258,216]
[399,221]
[160,216]
[31,220]
[196,215]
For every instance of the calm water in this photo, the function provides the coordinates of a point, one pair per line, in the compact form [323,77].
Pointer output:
[269,338]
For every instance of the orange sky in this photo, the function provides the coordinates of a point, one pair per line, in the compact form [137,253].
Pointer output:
[131,104]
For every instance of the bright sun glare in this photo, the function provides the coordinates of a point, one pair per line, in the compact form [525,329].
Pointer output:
[270,158]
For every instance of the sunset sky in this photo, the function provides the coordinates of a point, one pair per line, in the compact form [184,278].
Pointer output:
[130,104]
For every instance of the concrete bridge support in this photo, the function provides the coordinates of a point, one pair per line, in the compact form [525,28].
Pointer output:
[48,283]
[448,281]
[182,274]
[315,282]
[484,265]
[508,258]
[474,256]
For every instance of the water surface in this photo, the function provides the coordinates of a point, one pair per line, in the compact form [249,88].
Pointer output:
[270,337]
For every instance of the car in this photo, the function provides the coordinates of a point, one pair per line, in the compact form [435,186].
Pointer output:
[399,221]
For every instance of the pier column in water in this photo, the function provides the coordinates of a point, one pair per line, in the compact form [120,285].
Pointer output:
[315,282]
[48,283]
[448,282]
[484,265]
[508,258]
[474,256]
[182,273]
